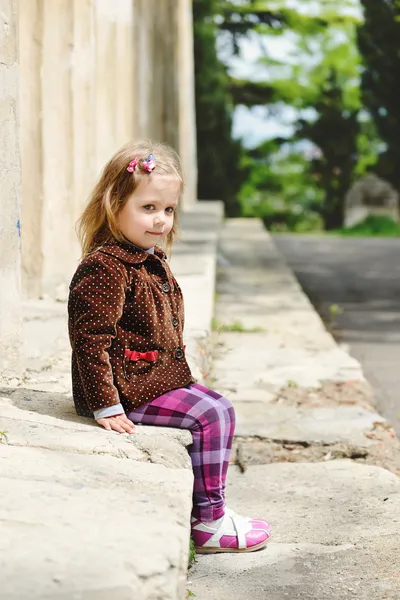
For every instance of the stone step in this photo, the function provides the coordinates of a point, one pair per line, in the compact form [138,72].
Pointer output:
[88,514]
[334,535]
[334,522]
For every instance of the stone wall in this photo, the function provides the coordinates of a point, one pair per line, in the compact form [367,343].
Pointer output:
[93,74]
[10,321]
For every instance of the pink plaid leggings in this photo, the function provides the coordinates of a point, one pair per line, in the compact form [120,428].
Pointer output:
[211,419]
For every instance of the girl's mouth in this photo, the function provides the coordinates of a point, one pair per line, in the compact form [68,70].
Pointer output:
[154,232]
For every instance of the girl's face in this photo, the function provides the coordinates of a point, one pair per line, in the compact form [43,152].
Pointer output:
[148,215]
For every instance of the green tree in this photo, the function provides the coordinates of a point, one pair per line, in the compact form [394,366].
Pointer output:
[280,189]
[219,155]
[334,133]
[378,40]
[321,81]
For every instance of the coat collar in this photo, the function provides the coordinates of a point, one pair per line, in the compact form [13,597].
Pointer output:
[130,253]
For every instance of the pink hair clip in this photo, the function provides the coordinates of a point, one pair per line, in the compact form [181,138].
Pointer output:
[133,164]
[149,163]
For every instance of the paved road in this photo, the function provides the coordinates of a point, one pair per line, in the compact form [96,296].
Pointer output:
[362,276]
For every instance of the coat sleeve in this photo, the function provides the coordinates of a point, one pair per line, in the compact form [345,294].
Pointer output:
[97,296]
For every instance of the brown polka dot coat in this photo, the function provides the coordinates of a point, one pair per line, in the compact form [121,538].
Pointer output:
[125,303]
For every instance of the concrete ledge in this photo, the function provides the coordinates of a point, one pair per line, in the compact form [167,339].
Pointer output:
[48,420]
[93,524]
[288,379]
[301,404]
[335,535]
[194,264]
[101,515]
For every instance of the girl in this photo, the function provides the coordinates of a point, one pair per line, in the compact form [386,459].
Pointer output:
[126,325]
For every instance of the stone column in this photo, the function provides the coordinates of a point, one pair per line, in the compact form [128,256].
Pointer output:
[58,213]
[161,101]
[30,58]
[106,89]
[142,65]
[171,68]
[124,73]
[84,165]
[187,113]
[10,177]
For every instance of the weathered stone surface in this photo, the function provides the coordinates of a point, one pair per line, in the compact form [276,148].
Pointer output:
[335,535]
[46,420]
[276,358]
[91,526]
[72,490]
[194,265]
[324,425]
[362,277]
[10,201]
[334,523]
[101,515]
[278,340]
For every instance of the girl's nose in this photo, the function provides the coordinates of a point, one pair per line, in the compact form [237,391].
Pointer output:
[158,220]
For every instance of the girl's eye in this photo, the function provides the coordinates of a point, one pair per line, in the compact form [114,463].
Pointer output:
[149,207]
[170,209]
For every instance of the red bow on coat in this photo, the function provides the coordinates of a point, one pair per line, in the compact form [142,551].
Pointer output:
[149,356]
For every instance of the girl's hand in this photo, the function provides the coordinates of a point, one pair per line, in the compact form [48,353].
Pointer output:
[119,423]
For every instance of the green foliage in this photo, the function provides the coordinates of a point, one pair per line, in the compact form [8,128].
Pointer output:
[218,154]
[276,189]
[373,225]
[285,222]
[273,18]
[240,18]
[292,384]
[320,80]
[192,552]
[335,310]
[330,88]
[279,190]
[369,147]
[235,327]
[335,133]
[378,39]
[251,93]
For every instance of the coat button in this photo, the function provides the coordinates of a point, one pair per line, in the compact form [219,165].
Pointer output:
[179,353]
[175,321]
[166,287]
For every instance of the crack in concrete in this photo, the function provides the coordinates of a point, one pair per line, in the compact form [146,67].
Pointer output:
[241,438]
[257,450]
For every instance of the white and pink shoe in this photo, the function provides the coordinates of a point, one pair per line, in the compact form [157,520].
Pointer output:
[231,533]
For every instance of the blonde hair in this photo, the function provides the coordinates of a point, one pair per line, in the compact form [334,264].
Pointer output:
[98,222]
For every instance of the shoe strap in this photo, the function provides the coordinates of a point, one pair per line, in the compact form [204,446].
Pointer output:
[240,527]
